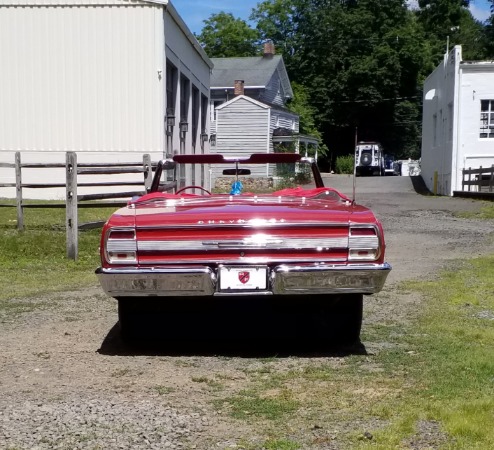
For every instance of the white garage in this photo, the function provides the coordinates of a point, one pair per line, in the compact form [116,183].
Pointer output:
[458,121]
[98,77]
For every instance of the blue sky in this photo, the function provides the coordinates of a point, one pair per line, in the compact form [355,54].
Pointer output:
[194,12]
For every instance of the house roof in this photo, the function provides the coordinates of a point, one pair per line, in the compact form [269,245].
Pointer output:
[256,71]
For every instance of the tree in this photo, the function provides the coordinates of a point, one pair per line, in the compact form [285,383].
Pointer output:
[443,22]
[300,104]
[489,33]
[472,37]
[277,21]
[226,36]
[362,63]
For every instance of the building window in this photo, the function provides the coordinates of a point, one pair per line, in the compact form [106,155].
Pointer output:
[184,98]
[487,118]
[171,86]
[195,115]
[216,103]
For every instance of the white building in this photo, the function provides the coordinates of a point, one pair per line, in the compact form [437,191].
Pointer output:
[99,77]
[458,121]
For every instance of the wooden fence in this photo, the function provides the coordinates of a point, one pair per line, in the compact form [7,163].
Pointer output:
[74,171]
[478,180]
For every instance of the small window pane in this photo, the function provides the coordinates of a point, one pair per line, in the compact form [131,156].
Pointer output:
[486,128]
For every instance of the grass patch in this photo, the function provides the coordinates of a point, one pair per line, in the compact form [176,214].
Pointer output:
[450,371]
[213,384]
[164,390]
[250,404]
[486,212]
[33,261]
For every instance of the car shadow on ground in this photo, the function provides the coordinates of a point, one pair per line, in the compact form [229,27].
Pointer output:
[247,347]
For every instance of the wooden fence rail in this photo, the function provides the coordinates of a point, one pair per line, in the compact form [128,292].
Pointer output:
[477,179]
[74,172]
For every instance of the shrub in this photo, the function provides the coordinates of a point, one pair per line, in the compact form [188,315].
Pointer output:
[344,164]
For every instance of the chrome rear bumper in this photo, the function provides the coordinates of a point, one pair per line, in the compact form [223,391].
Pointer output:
[282,280]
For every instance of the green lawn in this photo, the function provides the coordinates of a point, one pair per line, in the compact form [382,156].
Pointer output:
[33,261]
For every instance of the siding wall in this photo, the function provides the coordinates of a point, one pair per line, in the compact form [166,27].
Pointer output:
[477,83]
[438,124]
[273,92]
[242,129]
[81,78]
[87,76]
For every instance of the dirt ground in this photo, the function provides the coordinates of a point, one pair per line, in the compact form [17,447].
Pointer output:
[67,381]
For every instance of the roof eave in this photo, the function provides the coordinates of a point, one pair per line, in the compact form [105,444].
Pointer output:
[233,87]
[183,26]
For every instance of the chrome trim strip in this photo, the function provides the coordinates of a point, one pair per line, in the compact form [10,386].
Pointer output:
[286,279]
[363,242]
[269,242]
[240,224]
[317,259]
[121,245]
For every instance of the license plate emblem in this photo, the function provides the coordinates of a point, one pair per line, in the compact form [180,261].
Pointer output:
[244,277]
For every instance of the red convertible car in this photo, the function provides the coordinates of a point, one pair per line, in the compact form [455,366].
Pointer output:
[285,240]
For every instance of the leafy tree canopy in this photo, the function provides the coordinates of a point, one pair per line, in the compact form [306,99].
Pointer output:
[224,35]
[356,63]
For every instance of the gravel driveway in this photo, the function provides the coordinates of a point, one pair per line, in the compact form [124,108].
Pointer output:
[66,380]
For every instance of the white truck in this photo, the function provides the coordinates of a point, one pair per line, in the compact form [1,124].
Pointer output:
[369,159]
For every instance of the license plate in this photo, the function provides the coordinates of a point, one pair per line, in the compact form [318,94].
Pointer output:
[243,278]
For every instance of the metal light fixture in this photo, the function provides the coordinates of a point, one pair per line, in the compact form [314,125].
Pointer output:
[204,137]
[212,140]
[170,118]
[184,127]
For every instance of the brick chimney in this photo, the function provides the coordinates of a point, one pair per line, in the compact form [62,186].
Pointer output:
[269,49]
[238,87]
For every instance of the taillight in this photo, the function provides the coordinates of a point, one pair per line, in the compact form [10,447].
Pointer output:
[363,243]
[121,246]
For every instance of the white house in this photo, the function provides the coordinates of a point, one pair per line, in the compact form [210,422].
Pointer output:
[108,79]
[248,107]
[458,121]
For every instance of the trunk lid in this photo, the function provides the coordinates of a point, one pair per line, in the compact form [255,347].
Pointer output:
[240,230]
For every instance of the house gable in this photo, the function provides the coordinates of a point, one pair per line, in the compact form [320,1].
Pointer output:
[240,98]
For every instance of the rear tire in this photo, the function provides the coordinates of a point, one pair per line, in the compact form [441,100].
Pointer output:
[339,319]
[139,318]
[127,319]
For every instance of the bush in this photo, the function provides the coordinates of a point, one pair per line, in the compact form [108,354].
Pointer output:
[344,164]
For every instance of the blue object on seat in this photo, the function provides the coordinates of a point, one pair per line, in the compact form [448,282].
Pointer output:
[236,188]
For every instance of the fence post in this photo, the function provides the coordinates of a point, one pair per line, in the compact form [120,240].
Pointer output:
[479,180]
[71,223]
[18,191]
[469,178]
[148,172]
